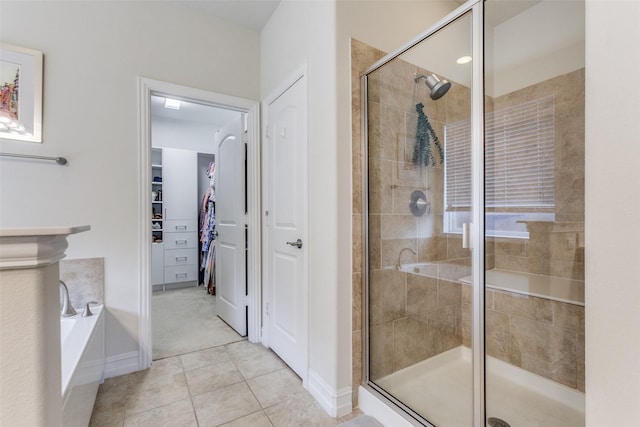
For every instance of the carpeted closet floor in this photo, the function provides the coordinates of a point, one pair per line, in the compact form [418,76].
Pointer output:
[185,320]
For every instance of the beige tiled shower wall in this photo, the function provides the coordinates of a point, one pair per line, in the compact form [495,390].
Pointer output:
[412,317]
[415,317]
[543,336]
[362,56]
[554,249]
[536,334]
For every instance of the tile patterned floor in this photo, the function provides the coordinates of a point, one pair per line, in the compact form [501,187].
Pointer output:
[235,385]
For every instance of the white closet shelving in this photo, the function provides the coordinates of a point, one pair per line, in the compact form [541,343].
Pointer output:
[157,220]
[177,260]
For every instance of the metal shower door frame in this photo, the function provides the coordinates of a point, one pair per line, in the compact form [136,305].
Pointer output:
[478,206]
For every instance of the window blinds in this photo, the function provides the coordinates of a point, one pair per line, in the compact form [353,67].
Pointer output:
[519,158]
[457,165]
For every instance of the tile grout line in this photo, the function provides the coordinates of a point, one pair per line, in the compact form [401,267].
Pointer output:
[244,379]
[126,400]
[193,406]
[263,409]
[129,376]
[231,359]
[241,358]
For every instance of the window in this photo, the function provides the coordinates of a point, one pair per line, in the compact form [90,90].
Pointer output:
[519,169]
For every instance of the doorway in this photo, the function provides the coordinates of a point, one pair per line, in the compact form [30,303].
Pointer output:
[193,200]
[251,219]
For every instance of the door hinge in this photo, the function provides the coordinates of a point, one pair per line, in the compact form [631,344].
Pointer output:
[266,308]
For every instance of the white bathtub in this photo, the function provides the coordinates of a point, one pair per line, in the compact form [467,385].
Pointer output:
[83,357]
[537,285]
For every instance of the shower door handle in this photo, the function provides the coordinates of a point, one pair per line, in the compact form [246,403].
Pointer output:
[466,235]
[297,243]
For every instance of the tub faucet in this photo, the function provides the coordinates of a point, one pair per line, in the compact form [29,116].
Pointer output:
[67,308]
[87,312]
[399,263]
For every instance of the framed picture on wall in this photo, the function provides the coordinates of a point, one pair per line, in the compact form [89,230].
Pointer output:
[20,93]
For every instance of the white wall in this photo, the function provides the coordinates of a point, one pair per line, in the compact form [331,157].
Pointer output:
[305,33]
[302,33]
[93,52]
[387,25]
[542,42]
[182,134]
[612,205]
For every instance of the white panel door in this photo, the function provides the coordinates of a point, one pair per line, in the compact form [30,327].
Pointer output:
[230,263]
[285,225]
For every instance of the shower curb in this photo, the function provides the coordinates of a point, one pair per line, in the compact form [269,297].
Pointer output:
[362,421]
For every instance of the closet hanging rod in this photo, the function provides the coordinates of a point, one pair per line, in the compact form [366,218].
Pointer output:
[58,160]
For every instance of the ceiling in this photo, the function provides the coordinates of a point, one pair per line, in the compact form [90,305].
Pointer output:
[517,33]
[440,52]
[254,14]
[192,112]
[499,11]
[251,14]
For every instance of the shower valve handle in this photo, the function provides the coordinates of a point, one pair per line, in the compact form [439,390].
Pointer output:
[297,243]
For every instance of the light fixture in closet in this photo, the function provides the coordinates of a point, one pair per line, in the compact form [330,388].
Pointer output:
[173,104]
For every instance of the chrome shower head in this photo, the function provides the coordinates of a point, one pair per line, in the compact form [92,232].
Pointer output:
[437,87]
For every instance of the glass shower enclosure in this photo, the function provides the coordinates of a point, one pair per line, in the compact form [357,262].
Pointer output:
[474,221]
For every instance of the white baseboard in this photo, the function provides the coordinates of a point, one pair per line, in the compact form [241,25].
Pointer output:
[335,402]
[121,364]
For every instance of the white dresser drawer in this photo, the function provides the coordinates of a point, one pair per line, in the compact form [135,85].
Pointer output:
[180,226]
[180,273]
[180,257]
[180,241]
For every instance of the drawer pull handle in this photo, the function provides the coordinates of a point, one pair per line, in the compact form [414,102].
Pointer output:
[179,275]
[181,258]
[181,227]
[181,242]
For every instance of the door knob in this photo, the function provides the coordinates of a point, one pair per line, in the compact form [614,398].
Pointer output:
[297,243]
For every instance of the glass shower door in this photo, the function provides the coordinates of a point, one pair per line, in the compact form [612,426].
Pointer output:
[475,218]
[419,137]
[534,186]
